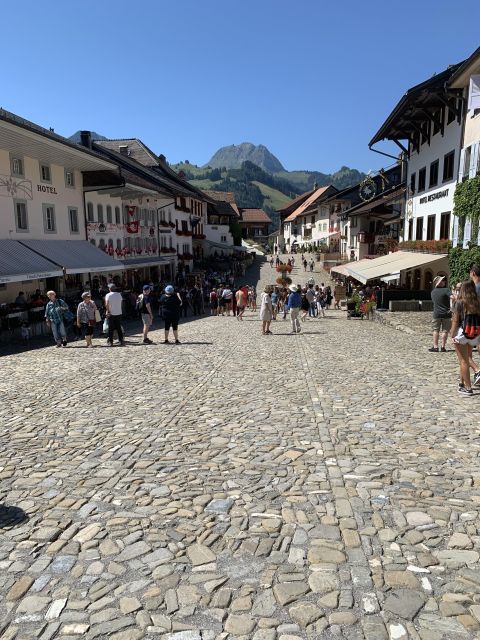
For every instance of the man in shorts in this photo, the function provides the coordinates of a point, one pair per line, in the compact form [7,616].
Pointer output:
[241,299]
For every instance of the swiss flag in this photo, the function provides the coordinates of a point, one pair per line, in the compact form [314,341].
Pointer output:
[132,227]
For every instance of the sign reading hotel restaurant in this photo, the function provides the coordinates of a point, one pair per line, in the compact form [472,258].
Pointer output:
[434,196]
[45,188]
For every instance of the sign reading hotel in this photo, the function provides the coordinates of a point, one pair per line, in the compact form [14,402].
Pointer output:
[434,196]
[45,188]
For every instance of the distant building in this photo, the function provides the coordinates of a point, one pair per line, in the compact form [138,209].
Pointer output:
[255,224]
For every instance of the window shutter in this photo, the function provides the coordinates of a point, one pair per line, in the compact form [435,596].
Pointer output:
[474,93]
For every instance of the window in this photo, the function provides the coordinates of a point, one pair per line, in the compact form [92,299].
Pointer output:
[445,226]
[448,161]
[467,156]
[45,174]
[419,230]
[109,213]
[431,227]
[119,241]
[101,244]
[451,112]
[117,215]
[413,178]
[410,229]
[223,238]
[16,166]
[438,118]
[100,212]
[90,217]
[21,219]
[92,241]
[422,178]
[73,219]
[49,218]
[312,220]
[433,174]
[69,178]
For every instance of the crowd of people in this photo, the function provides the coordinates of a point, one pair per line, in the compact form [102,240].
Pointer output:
[457,313]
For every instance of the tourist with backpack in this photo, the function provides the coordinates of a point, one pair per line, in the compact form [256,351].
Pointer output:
[466,332]
[144,307]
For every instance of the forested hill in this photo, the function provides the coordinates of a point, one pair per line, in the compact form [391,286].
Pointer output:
[254,187]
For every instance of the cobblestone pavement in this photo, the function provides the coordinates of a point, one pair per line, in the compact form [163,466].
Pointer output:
[318,485]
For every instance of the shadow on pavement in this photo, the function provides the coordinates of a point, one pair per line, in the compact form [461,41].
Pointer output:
[11,516]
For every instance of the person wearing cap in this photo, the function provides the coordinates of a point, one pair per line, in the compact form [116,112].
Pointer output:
[86,317]
[294,303]
[145,303]
[441,321]
[171,304]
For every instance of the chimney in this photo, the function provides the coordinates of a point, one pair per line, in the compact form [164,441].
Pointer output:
[86,139]
[123,149]
[162,158]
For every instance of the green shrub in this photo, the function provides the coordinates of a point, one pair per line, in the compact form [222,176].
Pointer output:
[460,262]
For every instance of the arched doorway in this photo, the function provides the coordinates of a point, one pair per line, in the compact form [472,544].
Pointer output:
[428,280]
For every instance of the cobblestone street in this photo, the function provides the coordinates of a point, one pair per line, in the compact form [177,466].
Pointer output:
[319,485]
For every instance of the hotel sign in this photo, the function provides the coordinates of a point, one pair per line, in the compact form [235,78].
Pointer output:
[45,188]
[434,196]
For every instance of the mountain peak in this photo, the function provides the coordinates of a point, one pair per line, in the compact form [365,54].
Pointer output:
[233,156]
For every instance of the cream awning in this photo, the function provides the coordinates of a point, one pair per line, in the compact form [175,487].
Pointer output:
[340,269]
[365,270]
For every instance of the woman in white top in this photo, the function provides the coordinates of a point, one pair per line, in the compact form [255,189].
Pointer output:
[266,310]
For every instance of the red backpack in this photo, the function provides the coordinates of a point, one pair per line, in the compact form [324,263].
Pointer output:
[471,326]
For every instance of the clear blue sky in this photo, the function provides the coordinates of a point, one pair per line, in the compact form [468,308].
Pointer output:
[311,79]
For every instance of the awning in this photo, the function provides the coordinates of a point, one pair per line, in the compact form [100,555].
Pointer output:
[18,263]
[391,277]
[74,256]
[323,235]
[340,269]
[365,270]
[147,261]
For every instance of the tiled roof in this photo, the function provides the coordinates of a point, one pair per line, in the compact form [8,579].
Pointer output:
[254,215]
[310,200]
[224,196]
[296,202]
[136,150]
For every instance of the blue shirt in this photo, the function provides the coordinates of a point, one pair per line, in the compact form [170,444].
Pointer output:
[294,300]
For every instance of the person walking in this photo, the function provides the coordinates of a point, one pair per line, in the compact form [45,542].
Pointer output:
[54,317]
[312,264]
[465,332]
[274,297]
[293,305]
[310,295]
[213,302]
[441,321]
[321,303]
[266,311]
[145,308]
[86,317]
[241,300]
[305,306]
[305,264]
[171,304]
[113,306]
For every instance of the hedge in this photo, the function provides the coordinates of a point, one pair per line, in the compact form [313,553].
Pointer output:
[460,262]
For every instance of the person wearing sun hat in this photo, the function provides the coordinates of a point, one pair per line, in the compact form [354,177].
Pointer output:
[442,317]
[294,303]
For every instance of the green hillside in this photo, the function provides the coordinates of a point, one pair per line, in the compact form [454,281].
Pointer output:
[255,187]
[274,198]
